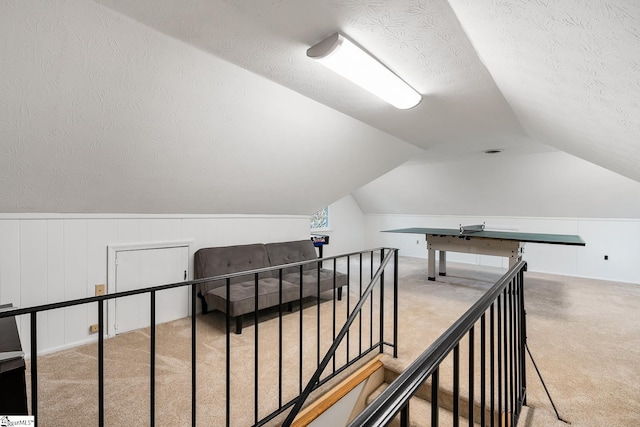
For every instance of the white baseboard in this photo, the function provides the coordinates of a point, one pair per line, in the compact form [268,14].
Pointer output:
[51,350]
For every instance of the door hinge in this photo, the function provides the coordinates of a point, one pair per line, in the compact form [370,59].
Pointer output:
[185,275]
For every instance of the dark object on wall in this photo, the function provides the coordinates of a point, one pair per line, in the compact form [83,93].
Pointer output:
[13,391]
[319,240]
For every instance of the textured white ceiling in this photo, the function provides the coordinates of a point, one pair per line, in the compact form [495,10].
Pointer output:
[570,70]
[422,41]
[101,114]
[181,106]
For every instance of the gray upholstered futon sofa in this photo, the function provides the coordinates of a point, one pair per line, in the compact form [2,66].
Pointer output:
[240,298]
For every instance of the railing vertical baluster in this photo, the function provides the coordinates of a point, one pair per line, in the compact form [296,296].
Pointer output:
[334,313]
[405,418]
[194,397]
[518,367]
[360,314]
[152,361]
[371,308]
[511,355]
[516,344]
[301,334]
[348,300]
[381,304]
[228,356]
[483,379]
[371,262]
[523,338]
[505,360]
[520,338]
[34,364]
[395,303]
[513,344]
[471,373]
[492,370]
[435,386]
[456,385]
[256,363]
[280,338]
[101,363]
[318,313]
[499,350]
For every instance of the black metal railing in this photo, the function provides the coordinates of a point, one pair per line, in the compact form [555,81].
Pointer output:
[314,382]
[369,335]
[499,366]
[369,342]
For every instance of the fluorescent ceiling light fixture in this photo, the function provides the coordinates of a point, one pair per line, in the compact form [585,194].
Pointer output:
[347,59]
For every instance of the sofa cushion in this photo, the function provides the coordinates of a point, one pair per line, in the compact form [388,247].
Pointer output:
[242,296]
[210,262]
[289,252]
[310,281]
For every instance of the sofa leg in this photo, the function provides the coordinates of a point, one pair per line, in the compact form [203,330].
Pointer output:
[205,307]
[340,293]
[238,325]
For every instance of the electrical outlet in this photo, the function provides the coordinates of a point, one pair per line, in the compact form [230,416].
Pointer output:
[93,328]
[101,290]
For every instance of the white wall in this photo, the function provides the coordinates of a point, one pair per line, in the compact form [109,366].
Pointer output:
[617,238]
[346,229]
[545,185]
[53,258]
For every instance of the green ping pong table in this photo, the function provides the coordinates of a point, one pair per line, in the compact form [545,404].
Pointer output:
[484,242]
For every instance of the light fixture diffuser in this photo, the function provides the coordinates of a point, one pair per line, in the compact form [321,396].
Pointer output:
[341,55]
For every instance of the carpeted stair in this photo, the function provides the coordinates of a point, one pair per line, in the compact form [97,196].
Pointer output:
[420,404]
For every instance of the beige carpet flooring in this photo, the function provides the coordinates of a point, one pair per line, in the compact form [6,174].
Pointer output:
[584,334]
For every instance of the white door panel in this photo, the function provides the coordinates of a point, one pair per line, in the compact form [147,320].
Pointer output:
[137,269]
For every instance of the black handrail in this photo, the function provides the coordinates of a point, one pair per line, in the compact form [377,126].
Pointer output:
[396,397]
[51,306]
[338,340]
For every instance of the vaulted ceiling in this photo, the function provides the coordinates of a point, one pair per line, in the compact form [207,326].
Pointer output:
[164,106]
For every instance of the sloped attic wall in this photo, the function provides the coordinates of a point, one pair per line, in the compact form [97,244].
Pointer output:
[552,184]
[101,114]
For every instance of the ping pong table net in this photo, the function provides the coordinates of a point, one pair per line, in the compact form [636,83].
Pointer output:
[470,229]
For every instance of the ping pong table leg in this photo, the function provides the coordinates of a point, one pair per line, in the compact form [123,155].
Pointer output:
[516,255]
[513,260]
[442,270]
[431,264]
